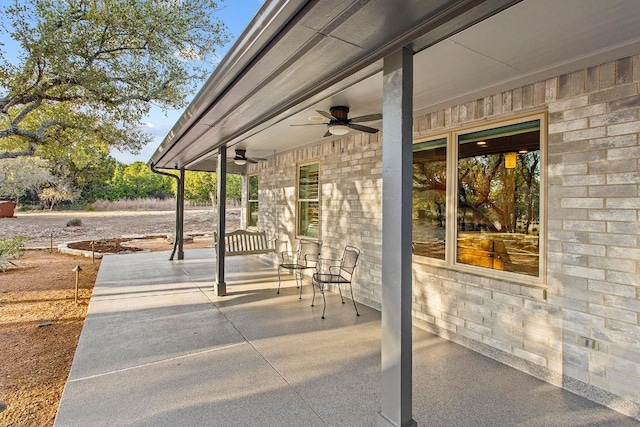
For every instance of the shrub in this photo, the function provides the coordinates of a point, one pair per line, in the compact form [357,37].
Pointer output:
[74,222]
[11,249]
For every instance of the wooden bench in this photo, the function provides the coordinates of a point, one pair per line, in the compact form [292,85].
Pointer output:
[243,242]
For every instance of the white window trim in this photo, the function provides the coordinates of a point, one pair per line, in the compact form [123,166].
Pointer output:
[250,200]
[298,200]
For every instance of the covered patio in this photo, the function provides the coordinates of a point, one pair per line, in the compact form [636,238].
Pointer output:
[160,349]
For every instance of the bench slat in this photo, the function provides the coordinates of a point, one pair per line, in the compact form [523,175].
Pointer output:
[242,242]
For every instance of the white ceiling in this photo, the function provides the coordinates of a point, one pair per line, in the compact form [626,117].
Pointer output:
[528,42]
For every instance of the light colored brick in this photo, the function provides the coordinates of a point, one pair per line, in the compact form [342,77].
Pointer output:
[576,248]
[614,313]
[624,128]
[584,180]
[582,203]
[569,104]
[628,291]
[613,215]
[588,273]
[614,141]
[597,226]
[566,126]
[585,134]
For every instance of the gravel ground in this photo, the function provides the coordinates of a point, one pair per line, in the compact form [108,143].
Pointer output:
[43,226]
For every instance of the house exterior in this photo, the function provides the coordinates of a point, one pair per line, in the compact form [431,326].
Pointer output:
[588,285]
[523,212]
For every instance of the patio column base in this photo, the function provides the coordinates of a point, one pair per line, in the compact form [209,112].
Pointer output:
[220,289]
[385,422]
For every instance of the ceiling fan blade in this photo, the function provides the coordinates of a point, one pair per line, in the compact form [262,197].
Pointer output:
[327,134]
[327,115]
[367,118]
[363,128]
[250,160]
[308,124]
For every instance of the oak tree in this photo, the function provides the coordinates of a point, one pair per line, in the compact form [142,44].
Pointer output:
[97,66]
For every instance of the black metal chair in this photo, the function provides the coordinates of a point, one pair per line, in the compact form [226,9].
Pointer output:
[306,257]
[336,272]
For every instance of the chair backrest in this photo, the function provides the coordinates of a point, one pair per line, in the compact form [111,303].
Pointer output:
[309,252]
[349,260]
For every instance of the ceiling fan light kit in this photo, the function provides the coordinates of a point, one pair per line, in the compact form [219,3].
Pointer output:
[241,158]
[339,122]
[338,129]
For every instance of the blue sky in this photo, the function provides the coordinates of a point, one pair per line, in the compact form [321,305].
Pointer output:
[236,14]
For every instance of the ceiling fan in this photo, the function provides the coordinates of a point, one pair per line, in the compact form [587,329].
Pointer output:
[241,158]
[341,124]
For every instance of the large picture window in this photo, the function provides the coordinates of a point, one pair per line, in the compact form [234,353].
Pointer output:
[430,198]
[477,197]
[498,198]
[308,200]
[252,217]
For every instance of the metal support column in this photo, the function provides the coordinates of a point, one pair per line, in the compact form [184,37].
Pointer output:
[397,159]
[220,286]
[180,215]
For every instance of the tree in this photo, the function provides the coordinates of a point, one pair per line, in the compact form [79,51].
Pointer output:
[137,181]
[60,190]
[95,67]
[17,176]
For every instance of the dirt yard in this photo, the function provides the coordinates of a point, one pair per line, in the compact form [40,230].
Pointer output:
[42,227]
[40,322]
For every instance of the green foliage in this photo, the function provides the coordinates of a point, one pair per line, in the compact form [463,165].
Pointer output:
[18,176]
[137,181]
[201,187]
[11,249]
[91,69]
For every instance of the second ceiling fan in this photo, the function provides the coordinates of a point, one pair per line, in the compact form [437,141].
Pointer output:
[341,124]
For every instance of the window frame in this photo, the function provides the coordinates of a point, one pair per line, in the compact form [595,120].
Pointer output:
[250,201]
[451,230]
[299,167]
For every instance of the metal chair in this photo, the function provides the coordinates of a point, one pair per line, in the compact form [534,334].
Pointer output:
[306,257]
[336,272]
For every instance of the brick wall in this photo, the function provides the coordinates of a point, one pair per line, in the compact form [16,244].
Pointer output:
[593,246]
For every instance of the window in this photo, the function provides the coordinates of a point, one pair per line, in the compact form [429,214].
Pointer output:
[308,200]
[430,198]
[252,219]
[493,208]
[498,198]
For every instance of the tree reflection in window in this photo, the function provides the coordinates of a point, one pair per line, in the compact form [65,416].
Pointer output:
[499,199]
[430,198]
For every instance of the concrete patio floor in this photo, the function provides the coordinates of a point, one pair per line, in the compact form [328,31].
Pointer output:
[159,349]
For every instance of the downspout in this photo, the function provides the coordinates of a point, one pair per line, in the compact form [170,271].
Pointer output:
[178,238]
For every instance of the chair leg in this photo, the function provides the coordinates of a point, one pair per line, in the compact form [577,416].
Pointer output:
[300,297]
[313,287]
[324,302]
[340,290]
[353,300]
[279,268]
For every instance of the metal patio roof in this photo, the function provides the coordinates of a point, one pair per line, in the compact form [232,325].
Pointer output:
[297,56]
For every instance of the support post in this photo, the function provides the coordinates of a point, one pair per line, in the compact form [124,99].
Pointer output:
[180,215]
[220,286]
[397,159]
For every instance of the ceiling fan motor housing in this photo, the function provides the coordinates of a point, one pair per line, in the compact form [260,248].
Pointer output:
[340,113]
